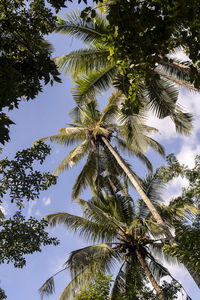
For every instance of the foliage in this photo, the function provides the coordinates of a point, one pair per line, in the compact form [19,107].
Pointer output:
[123,229]
[19,237]
[5,123]
[18,178]
[2,294]
[98,289]
[25,61]
[142,33]
[187,231]
[94,73]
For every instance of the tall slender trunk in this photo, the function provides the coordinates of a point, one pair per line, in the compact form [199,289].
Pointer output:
[149,275]
[149,204]
[140,191]
[177,81]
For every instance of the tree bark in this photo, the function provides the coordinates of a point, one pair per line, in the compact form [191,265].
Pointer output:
[148,203]
[149,275]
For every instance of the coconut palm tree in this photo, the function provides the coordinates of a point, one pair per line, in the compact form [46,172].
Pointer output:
[95,130]
[94,72]
[123,230]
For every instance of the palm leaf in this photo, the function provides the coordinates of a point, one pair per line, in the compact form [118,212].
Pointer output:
[100,257]
[85,228]
[72,158]
[182,121]
[75,26]
[162,96]
[82,61]
[94,83]
[86,176]
[118,286]
[92,210]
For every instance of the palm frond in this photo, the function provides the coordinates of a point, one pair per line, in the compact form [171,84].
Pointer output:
[85,228]
[162,96]
[100,257]
[145,160]
[119,285]
[74,25]
[182,121]
[157,269]
[177,68]
[82,61]
[86,176]
[92,210]
[72,158]
[48,288]
[155,145]
[110,112]
[88,86]
[80,281]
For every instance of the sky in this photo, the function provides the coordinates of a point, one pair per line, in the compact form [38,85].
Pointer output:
[42,117]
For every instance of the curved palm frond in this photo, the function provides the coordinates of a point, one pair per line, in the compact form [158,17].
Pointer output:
[73,157]
[162,96]
[82,61]
[98,215]
[118,286]
[155,145]
[85,228]
[88,86]
[100,257]
[182,121]
[88,32]
[109,113]
[86,176]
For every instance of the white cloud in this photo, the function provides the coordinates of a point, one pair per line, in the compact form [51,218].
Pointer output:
[46,201]
[174,188]
[165,126]
[32,203]
[38,213]
[187,154]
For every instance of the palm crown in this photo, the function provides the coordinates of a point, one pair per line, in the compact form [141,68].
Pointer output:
[90,127]
[127,235]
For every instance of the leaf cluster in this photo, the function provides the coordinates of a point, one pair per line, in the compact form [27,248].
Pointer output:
[142,33]
[2,294]
[19,237]
[25,57]
[20,180]
[187,230]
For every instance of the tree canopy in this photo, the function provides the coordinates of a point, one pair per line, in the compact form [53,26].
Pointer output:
[25,57]
[20,182]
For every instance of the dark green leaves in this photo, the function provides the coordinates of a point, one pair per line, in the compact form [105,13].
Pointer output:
[19,237]
[25,58]
[20,180]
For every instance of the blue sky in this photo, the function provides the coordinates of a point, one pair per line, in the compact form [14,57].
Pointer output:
[42,117]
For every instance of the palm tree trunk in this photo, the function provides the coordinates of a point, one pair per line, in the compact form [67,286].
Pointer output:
[134,182]
[148,203]
[177,81]
[149,275]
